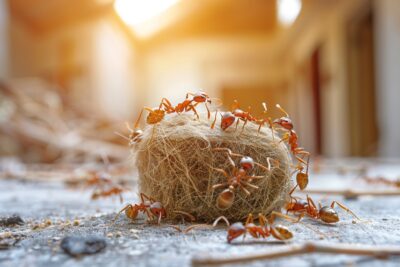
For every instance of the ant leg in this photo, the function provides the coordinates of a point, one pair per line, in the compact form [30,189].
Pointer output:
[345,209]
[237,123]
[143,197]
[194,110]
[227,150]
[250,219]
[216,186]
[244,124]
[275,214]
[119,213]
[262,220]
[255,177]
[311,202]
[223,172]
[221,218]
[263,167]
[159,218]
[192,227]
[215,120]
[208,111]
[244,190]
[291,191]
[250,185]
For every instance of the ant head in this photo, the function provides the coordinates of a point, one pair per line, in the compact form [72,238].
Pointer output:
[284,122]
[247,163]
[236,230]
[227,120]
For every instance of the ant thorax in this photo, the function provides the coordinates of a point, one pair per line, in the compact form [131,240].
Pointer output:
[239,113]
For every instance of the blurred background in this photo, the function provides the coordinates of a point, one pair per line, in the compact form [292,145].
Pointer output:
[73,71]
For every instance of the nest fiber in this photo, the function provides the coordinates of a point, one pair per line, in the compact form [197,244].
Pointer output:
[175,161]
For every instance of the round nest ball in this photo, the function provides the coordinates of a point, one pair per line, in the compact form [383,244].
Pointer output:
[176,164]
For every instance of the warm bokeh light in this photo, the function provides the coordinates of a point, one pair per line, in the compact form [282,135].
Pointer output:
[288,10]
[137,12]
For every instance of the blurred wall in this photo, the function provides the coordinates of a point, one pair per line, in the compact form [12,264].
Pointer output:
[388,75]
[3,39]
[93,60]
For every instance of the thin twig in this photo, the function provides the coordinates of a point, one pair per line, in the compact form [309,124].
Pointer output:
[352,193]
[380,252]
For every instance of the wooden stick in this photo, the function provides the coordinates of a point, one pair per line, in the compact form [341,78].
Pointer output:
[352,193]
[380,252]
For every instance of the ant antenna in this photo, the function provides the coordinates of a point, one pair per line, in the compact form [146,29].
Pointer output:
[128,126]
[265,107]
[138,120]
[121,135]
[281,109]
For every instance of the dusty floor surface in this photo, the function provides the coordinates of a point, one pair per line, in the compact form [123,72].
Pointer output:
[140,244]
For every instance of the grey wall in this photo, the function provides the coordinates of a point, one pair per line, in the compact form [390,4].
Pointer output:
[3,39]
[388,75]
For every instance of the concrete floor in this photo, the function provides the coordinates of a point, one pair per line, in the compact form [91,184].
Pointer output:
[141,244]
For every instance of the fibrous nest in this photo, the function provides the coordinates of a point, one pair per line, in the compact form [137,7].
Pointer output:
[175,159]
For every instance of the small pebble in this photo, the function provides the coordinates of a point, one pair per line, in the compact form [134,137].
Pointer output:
[110,235]
[76,223]
[76,246]
[11,220]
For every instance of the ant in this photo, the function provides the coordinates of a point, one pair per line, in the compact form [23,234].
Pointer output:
[307,207]
[103,185]
[148,205]
[263,230]
[114,190]
[291,137]
[199,97]
[238,178]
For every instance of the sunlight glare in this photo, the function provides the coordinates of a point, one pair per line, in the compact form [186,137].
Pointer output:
[136,12]
[288,10]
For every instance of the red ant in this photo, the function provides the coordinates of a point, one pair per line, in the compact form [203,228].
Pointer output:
[326,214]
[199,97]
[148,205]
[114,190]
[299,153]
[263,230]
[238,178]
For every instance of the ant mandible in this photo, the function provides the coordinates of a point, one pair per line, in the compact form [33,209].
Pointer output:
[263,230]
[153,209]
[239,177]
